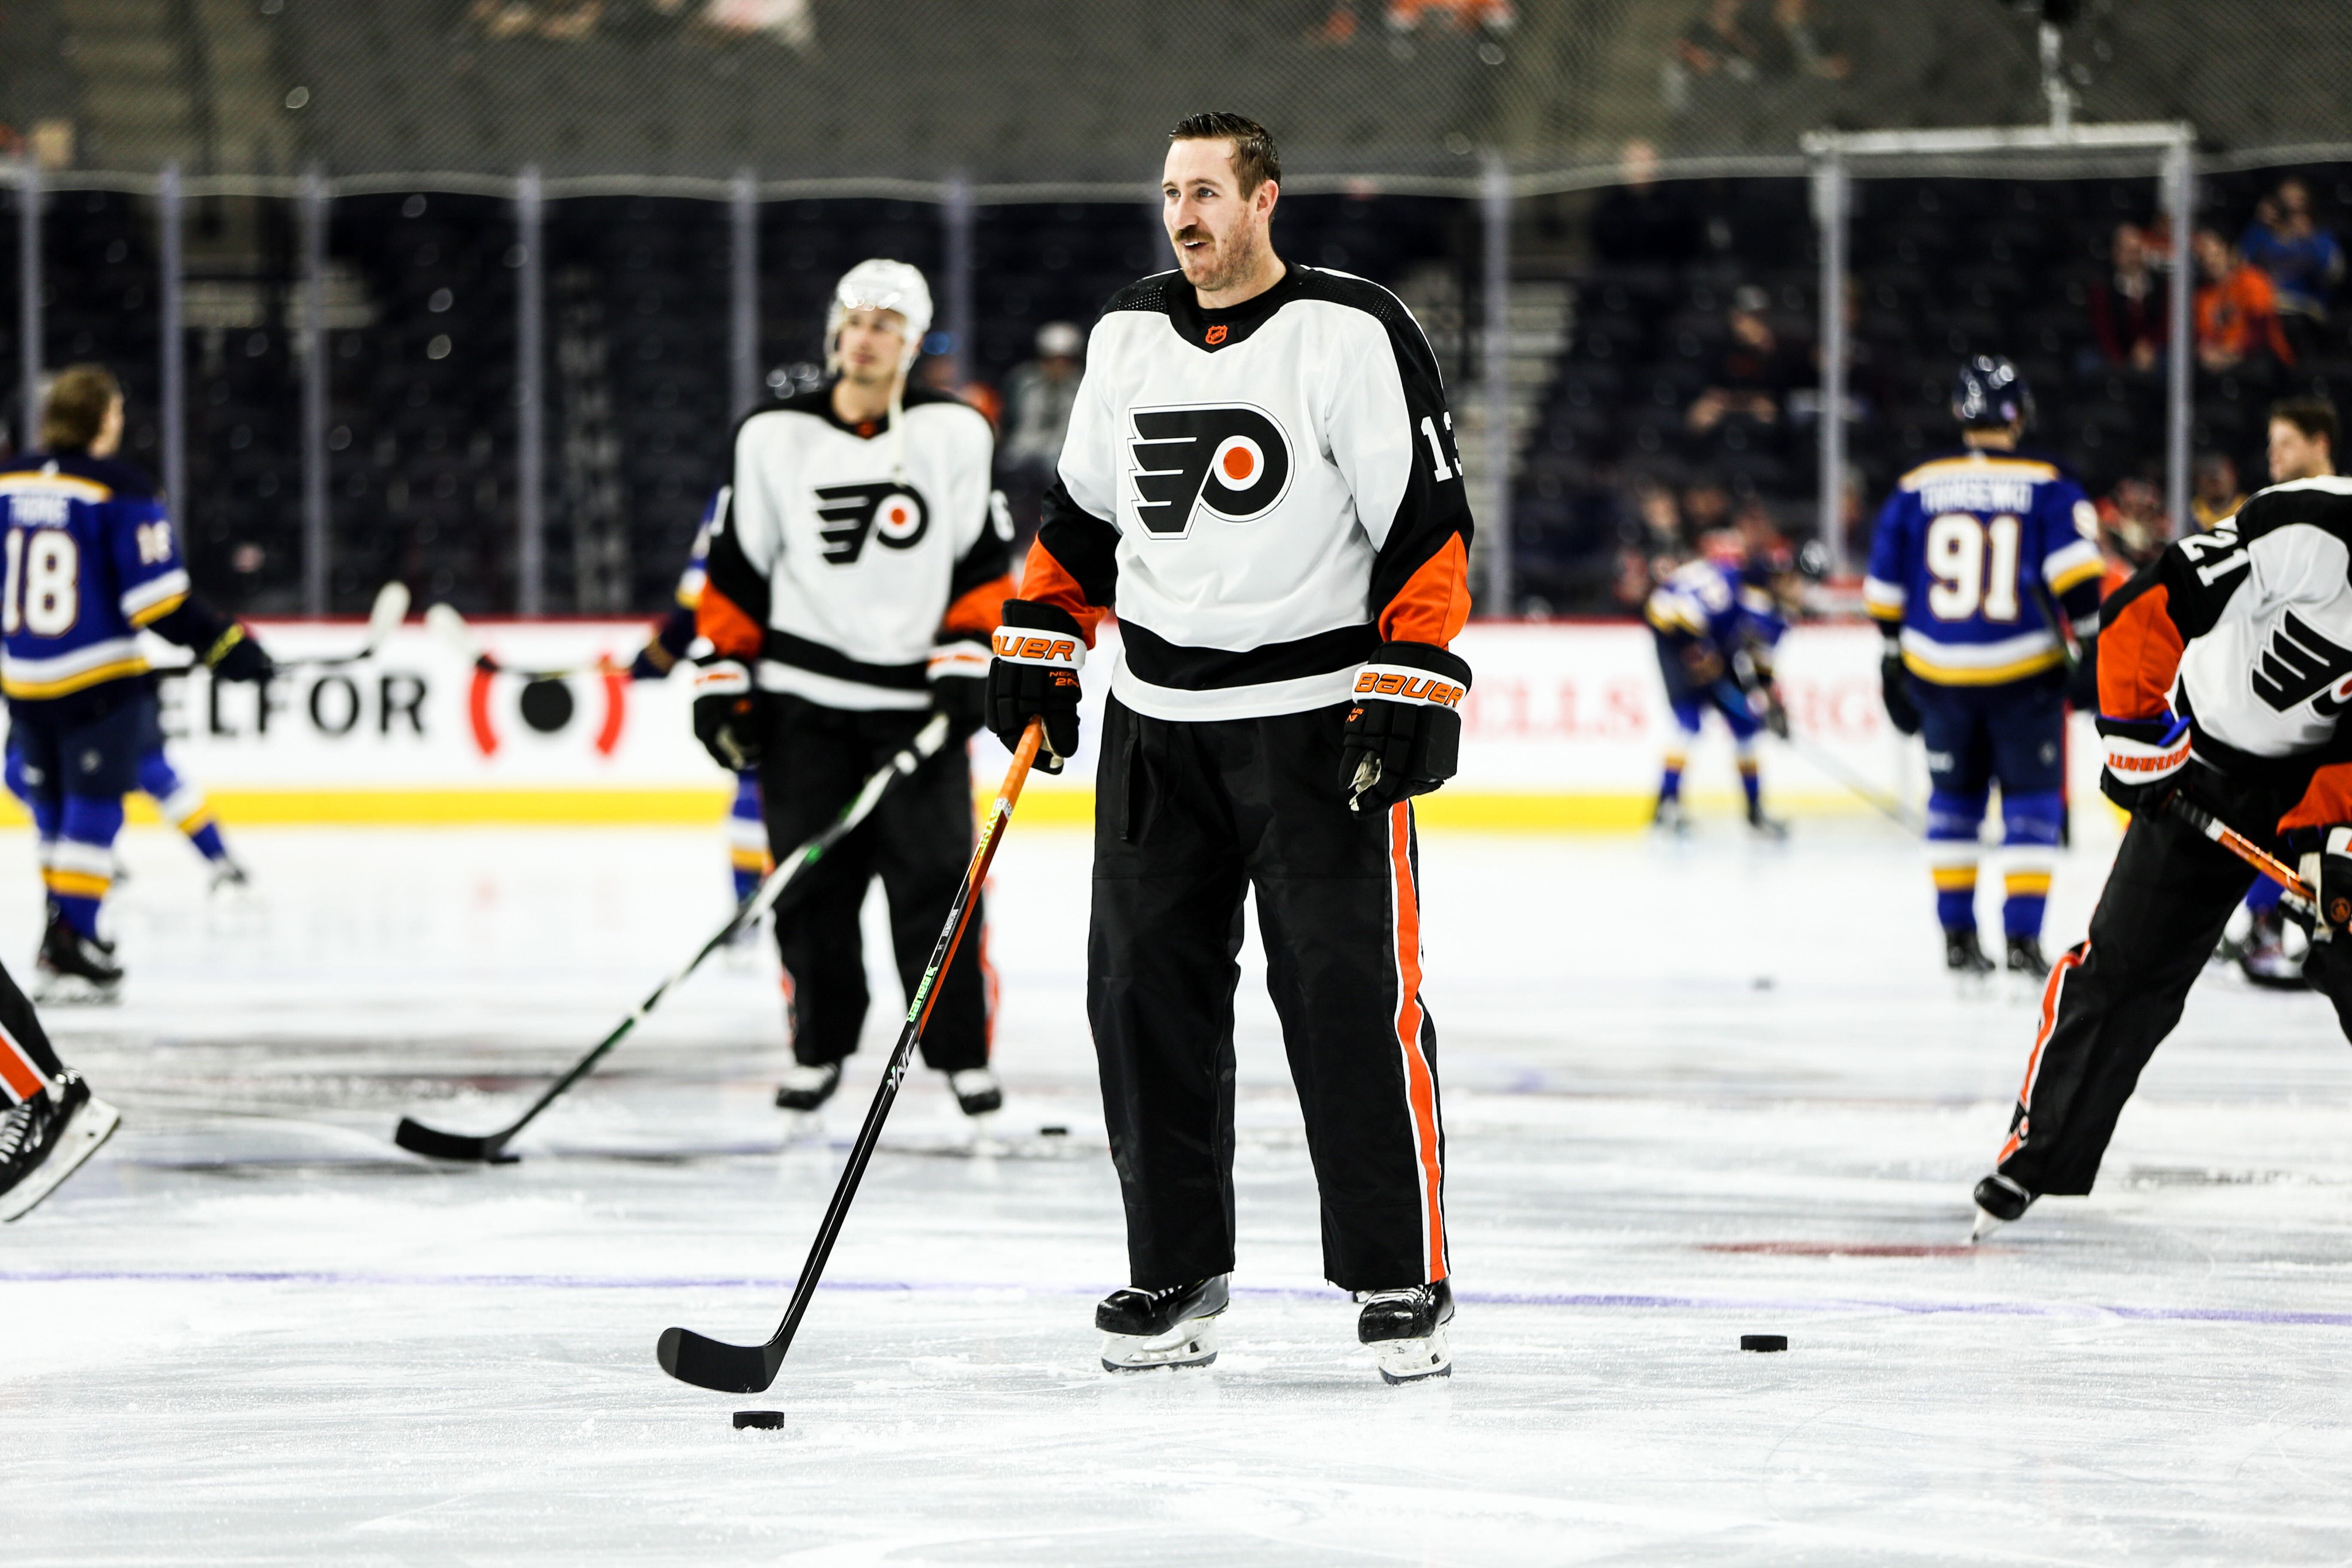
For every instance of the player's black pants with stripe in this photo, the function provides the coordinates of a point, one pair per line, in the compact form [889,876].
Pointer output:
[28,1063]
[1188,817]
[2112,998]
[918,841]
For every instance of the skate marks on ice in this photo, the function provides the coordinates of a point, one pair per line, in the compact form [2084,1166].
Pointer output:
[1647,1159]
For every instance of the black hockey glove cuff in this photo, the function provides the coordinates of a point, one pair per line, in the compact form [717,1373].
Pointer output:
[959,677]
[1034,673]
[235,656]
[727,714]
[1405,724]
[2144,758]
[2083,680]
[1895,690]
[2328,964]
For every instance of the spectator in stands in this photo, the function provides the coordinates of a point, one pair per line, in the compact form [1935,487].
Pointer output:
[1794,45]
[2132,530]
[2128,319]
[2213,494]
[1718,44]
[1706,507]
[1751,377]
[1495,16]
[2237,315]
[2301,260]
[1040,395]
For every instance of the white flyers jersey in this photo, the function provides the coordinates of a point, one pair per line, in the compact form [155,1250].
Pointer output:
[1264,495]
[2258,614]
[849,562]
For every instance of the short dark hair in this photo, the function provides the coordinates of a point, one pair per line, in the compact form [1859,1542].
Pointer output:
[74,410]
[2314,417]
[1254,160]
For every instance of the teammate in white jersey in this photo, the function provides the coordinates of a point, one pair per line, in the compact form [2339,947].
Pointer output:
[855,569]
[1260,479]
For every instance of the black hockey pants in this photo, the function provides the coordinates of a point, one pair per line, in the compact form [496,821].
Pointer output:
[27,1062]
[918,841]
[2112,998]
[1187,818]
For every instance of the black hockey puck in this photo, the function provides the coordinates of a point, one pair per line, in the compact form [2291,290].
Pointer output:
[764,1420]
[1052,1130]
[1747,1341]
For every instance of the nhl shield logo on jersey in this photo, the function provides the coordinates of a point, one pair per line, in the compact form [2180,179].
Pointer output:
[1227,459]
[895,514]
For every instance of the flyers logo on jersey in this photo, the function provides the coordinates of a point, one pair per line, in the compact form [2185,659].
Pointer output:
[1229,460]
[2298,665]
[849,515]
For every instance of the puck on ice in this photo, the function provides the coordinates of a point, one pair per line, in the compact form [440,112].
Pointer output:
[1052,1130]
[1747,1341]
[764,1420]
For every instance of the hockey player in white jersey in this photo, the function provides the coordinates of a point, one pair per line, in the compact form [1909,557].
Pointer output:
[855,574]
[1260,480]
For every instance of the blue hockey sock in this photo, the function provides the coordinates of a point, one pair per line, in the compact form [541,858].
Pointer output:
[2031,828]
[81,862]
[1954,821]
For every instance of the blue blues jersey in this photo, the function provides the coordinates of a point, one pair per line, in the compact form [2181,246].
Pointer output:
[1965,546]
[90,559]
[1710,603]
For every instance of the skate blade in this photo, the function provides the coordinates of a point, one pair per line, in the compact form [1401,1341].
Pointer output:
[1987,1222]
[1192,1342]
[91,1125]
[75,991]
[1413,1360]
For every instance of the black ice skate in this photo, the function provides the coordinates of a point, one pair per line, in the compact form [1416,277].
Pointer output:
[46,1139]
[1963,955]
[1765,827]
[977,1091]
[228,877]
[1999,1201]
[2262,957]
[72,967]
[1173,1327]
[805,1088]
[1406,1331]
[2025,959]
[1670,818]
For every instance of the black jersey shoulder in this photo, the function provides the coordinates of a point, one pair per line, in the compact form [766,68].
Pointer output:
[1151,295]
[128,481]
[2321,503]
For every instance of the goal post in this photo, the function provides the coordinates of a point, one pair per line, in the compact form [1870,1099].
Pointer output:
[1836,158]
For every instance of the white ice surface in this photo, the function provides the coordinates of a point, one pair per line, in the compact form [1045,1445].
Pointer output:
[1689,1088]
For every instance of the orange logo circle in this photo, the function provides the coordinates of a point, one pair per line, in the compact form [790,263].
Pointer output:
[1239,463]
[1215,335]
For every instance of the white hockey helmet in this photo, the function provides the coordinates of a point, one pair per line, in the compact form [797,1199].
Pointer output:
[880,284]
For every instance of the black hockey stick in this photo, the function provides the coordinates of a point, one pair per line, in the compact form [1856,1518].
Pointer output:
[750,1368]
[491,1147]
[445,624]
[2298,897]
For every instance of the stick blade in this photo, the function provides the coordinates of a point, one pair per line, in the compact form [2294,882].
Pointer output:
[708,1363]
[419,1139]
[444,621]
[391,609]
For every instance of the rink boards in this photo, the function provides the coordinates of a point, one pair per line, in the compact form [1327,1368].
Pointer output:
[1564,728]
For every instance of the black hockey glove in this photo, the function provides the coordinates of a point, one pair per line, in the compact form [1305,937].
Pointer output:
[2328,964]
[727,714]
[1405,724]
[1039,651]
[2145,757]
[235,656]
[1895,689]
[959,676]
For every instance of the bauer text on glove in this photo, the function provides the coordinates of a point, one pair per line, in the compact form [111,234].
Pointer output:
[1403,734]
[2145,757]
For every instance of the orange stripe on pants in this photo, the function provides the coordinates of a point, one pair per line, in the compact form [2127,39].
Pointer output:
[2068,961]
[1421,1084]
[21,1079]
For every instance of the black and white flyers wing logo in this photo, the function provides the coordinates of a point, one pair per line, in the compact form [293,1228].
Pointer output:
[848,514]
[2298,666]
[1229,460]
